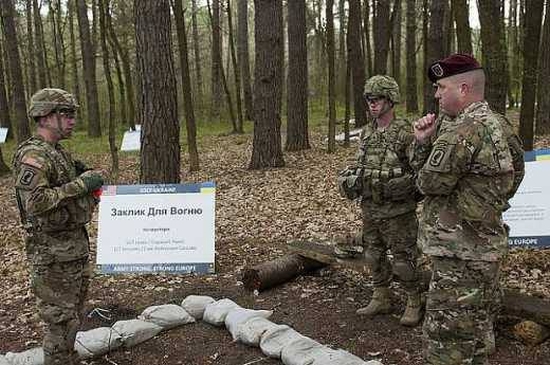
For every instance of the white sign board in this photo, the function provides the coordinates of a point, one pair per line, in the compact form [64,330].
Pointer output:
[529,214]
[3,134]
[156,228]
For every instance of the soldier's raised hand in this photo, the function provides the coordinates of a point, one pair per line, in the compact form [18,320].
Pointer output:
[424,128]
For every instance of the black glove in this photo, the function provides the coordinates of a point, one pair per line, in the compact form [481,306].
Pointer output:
[80,167]
[92,180]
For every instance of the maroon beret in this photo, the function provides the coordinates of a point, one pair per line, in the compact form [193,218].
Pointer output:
[453,65]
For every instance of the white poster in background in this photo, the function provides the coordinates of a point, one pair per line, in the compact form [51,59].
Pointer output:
[156,228]
[3,134]
[529,214]
[131,141]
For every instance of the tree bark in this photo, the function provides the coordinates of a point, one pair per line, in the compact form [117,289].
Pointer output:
[57,38]
[5,119]
[494,53]
[515,54]
[435,47]
[331,78]
[40,49]
[463,30]
[268,79]
[297,136]
[14,66]
[103,13]
[186,88]
[88,66]
[30,48]
[356,60]
[244,56]
[74,64]
[4,169]
[236,70]
[216,82]
[341,49]
[367,54]
[396,41]
[196,52]
[160,130]
[381,30]
[412,88]
[533,20]
[543,94]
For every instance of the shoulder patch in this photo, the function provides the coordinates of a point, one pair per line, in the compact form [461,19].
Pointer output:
[27,176]
[439,157]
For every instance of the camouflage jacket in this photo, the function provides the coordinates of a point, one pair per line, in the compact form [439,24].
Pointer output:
[52,200]
[467,179]
[388,187]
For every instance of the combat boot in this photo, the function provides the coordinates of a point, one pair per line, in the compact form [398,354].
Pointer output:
[379,304]
[413,312]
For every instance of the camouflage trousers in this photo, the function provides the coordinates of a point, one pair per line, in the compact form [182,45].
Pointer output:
[60,289]
[397,234]
[461,303]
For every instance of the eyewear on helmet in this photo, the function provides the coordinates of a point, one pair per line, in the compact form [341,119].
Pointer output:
[372,99]
[69,113]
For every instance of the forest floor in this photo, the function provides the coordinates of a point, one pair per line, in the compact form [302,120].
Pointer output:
[257,214]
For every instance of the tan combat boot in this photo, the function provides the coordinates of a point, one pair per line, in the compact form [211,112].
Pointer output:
[413,312]
[379,304]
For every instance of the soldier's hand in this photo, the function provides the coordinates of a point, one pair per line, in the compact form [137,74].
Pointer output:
[424,128]
[92,180]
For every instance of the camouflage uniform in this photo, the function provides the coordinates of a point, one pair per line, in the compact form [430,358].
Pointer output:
[55,204]
[388,195]
[467,178]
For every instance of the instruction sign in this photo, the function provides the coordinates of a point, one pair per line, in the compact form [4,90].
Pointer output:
[529,214]
[131,141]
[156,228]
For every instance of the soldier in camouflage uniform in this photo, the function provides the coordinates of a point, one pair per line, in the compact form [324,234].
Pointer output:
[469,166]
[54,194]
[384,182]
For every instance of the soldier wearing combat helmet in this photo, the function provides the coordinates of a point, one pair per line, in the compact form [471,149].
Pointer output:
[468,168]
[54,195]
[383,181]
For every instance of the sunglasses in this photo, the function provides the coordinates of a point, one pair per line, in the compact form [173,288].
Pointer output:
[69,113]
[374,99]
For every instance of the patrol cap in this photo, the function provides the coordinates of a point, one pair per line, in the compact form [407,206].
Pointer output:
[453,65]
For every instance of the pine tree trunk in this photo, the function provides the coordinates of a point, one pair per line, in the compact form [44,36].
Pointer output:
[186,88]
[103,13]
[543,94]
[88,66]
[158,111]
[196,52]
[435,47]
[367,34]
[412,88]
[463,30]
[244,56]
[381,31]
[30,48]
[4,169]
[74,64]
[14,67]
[341,49]
[494,54]
[216,82]
[57,38]
[515,54]
[236,70]
[5,119]
[533,20]
[355,57]
[396,42]
[331,78]
[268,79]
[297,137]
[39,50]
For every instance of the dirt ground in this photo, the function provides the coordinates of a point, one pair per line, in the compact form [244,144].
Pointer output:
[258,212]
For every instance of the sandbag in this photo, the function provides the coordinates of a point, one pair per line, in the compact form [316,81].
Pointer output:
[275,339]
[33,356]
[298,351]
[96,342]
[196,304]
[135,331]
[216,312]
[251,332]
[167,316]
[3,360]
[237,317]
[327,356]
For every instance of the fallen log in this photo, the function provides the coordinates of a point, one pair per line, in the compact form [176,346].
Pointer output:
[308,256]
[281,270]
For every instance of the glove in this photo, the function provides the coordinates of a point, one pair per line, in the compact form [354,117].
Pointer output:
[92,180]
[80,167]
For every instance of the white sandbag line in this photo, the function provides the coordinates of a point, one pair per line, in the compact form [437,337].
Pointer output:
[252,328]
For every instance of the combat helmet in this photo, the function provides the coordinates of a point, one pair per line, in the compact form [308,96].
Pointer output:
[382,85]
[49,100]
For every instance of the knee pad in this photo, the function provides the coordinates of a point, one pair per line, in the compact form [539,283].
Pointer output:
[404,270]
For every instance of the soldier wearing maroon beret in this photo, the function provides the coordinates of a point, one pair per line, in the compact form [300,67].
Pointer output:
[466,162]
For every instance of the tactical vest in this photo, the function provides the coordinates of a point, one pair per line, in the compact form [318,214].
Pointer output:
[70,213]
[387,175]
